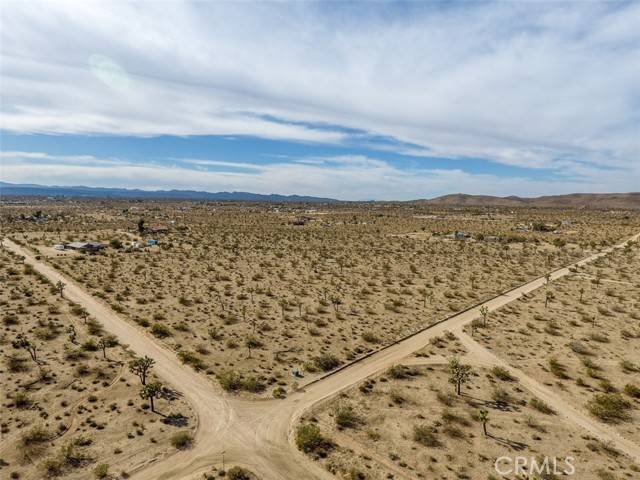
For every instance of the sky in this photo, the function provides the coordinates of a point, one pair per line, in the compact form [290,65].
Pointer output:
[355,101]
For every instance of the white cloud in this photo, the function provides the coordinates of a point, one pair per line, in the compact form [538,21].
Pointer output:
[518,83]
[345,178]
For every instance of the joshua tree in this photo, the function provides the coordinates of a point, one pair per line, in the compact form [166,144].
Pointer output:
[141,367]
[141,226]
[581,293]
[21,341]
[71,330]
[251,291]
[547,277]
[60,287]
[548,296]
[597,279]
[460,373]
[84,314]
[107,342]
[483,417]
[220,300]
[336,301]
[484,311]
[151,392]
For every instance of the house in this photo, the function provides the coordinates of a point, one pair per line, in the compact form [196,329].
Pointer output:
[85,246]
[158,229]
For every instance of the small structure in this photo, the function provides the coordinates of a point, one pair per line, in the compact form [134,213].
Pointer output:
[158,229]
[59,246]
[462,235]
[152,241]
[85,246]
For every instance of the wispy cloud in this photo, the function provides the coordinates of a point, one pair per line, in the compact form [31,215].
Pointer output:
[522,84]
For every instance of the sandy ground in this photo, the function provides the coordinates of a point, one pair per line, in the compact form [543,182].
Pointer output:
[254,433]
[594,342]
[78,399]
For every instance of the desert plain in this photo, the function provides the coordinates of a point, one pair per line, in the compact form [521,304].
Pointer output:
[362,313]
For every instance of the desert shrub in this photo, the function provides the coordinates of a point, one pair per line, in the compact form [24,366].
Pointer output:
[17,364]
[36,435]
[21,400]
[230,380]
[159,330]
[309,439]
[101,470]
[239,473]
[326,362]
[632,390]
[253,342]
[400,372]
[580,348]
[346,416]
[94,327]
[252,384]
[599,337]
[52,467]
[609,407]
[628,366]
[558,369]
[279,392]
[502,373]
[541,406]
[501,396]
[182,440]
[370,337]
[447,399]
[192,359]
[425,435]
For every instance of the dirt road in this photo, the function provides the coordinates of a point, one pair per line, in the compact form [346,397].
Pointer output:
[258,434]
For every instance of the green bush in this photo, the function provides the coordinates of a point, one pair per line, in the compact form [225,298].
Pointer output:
[159,330]
[346,417]
[310,440]
[541,406]
[192,359]
[609,407]
[632,390]
[101,470]
[326,362]
[502,373]
[182,440]
[239,473]
[230,381]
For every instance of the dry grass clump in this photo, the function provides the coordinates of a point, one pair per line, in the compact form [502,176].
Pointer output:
[610,407]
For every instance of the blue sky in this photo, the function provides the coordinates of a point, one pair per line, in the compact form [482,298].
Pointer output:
[356,101]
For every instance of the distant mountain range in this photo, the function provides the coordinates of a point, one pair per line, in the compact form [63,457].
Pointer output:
[24,190]
[572,200]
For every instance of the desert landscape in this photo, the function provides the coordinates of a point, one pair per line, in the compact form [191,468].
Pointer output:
[319,240]
[300,306]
